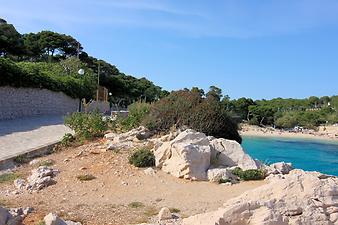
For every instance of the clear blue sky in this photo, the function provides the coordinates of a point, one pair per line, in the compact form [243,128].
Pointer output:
[257,49]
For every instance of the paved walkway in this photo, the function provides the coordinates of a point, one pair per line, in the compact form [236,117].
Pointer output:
[24,135]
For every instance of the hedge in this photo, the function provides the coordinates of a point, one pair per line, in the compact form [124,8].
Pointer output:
[32,76]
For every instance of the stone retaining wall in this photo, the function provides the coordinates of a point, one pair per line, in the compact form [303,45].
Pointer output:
[21,102]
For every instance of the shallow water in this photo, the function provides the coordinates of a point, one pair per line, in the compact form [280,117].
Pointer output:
[309,155]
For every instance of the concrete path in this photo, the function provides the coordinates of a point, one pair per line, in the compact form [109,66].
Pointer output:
[20,136]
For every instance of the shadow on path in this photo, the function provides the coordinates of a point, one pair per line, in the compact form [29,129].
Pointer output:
[28,123]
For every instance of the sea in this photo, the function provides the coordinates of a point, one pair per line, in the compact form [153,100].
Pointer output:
[306,154]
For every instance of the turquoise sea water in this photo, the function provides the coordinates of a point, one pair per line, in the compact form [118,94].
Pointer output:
[309,155]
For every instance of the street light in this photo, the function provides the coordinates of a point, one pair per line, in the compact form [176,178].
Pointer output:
[81,72]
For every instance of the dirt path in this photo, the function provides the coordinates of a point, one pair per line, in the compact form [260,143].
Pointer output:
[107,199]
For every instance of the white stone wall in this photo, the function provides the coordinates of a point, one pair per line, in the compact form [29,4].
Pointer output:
[21,102]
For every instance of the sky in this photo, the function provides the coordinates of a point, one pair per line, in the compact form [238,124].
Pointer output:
[257,49]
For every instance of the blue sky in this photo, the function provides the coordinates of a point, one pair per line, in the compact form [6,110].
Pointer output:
[258,49]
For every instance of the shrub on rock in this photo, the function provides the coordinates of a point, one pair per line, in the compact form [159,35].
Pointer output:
[252,174]
[142,158]
[191,109]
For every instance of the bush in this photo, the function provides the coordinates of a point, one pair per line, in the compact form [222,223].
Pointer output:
[189,108]
[67,139]
[252,174]
[142,158]
[86,125]
[136,114]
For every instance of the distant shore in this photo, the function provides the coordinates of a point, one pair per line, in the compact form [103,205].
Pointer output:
[329,133]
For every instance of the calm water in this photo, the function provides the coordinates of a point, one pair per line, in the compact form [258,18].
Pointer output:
[304,154]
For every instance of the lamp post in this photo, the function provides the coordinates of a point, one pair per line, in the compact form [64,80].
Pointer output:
[81,72]
[110,101]
[98,82]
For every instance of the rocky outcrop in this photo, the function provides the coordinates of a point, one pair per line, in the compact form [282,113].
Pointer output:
[297,198]
[127,140]
[53,219]
[187,156]
[229,153]
[192,153]
[40,178]
[279,168]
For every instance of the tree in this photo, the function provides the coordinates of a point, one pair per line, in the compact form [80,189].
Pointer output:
[10,39]
[197,90]
[214,92]
[240,107]
[313,101]
[52,43]
[264,115]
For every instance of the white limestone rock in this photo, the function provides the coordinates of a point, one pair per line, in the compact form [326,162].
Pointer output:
[41,177]
[280,168]
[164,214]
[53,219]
[229,153]
[218,174]
[150,171]
[187,156]
[296,198]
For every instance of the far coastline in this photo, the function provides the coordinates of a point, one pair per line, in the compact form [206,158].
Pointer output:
[324,133]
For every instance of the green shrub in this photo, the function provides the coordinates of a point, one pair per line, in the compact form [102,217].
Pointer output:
[252,174]
[189,108]
[45,75]
[142,158]
[67,139]
[136,113]
[86,125]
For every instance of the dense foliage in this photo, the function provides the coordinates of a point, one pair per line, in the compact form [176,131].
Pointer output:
[43,75]
[86,125]
[194,110]
[252,174]
[142,158]
[66,53]
[285,113]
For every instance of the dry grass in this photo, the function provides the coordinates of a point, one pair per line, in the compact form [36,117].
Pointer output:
[136,205]
[85,177]
[8,177]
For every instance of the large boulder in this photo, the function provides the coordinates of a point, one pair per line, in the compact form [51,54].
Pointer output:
[187,156]
[229,153]
[296,199]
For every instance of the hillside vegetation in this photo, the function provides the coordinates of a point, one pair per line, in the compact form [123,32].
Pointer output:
[51,60]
